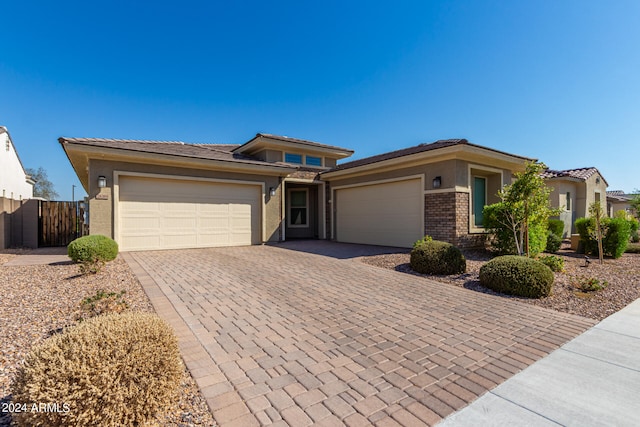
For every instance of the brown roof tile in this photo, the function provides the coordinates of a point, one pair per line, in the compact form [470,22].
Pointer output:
[295,140]
[580,173]
[219,152]
[443,143]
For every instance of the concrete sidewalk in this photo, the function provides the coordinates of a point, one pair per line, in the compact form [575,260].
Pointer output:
[41,256]
[590,381]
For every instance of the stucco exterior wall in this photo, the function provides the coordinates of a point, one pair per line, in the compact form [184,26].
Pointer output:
[13,181]
[596,185]
[558,199]
[446,170]
[101,201]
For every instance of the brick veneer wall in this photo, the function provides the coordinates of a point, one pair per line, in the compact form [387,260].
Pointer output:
[446,218]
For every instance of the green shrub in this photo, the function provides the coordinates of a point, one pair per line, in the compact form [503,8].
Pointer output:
[116,369]
[503,240]
[102,303]
[586,228]
[589,284]
[435,257]
[517,275]
[425,239]
[633,248]
[555,263]
[92,252]
[556,226]
[537,239]
[616,236]
[635,237]
[553,242]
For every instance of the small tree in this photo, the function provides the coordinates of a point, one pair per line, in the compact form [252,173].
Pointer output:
[635,203]
[595,211]
[43,187]
[524,207]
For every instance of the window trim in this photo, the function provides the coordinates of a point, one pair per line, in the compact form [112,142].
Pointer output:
[306,207]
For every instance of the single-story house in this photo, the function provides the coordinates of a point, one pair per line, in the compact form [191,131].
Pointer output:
[164,195]
[619,201]
[574,190]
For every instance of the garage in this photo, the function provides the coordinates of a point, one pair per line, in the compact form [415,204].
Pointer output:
[388,214]
[156,213]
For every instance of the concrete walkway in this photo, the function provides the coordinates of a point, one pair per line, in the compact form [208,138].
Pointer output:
[41,256]
[593,380]
[303,334]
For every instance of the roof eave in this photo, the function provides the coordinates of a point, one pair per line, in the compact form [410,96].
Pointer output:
[74,149]
[254,145]
[457,151]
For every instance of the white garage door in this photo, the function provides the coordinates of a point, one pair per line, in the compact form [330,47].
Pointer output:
[388,214]
[169,214]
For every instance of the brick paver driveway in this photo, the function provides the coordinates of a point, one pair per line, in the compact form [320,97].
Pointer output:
[289,337]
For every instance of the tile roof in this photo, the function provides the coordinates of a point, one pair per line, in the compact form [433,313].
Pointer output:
[582,173]
[219,152]
[620,195]
[443,143]
[295,140]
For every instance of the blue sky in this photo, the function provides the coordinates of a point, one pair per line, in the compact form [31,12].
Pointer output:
[556,80]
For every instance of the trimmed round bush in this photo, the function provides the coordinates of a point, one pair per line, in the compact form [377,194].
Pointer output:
[115,369]
[517,275]
[555,263]
[554,242]
[93,248]
[556,226]
[436,257]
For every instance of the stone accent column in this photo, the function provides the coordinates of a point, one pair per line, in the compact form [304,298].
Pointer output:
[446,218]
[440,216]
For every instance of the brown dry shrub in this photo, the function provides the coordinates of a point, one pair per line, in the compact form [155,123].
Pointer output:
[115,369]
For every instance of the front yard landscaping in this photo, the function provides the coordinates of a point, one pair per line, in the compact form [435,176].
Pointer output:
[38,300]
[622,277]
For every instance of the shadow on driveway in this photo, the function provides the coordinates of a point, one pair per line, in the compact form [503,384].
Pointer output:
[338,250]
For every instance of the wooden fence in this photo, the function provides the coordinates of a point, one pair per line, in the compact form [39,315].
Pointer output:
[60,223]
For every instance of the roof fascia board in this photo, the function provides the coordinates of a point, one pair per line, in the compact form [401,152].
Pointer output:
[264,142]
[100,153]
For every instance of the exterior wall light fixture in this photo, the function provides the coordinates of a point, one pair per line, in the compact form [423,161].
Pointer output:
[102,181]
[437,182]
[272,191]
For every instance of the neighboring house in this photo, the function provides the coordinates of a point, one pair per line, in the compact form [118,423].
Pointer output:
[619,201]
[574,190]
[162,195]
[15,184]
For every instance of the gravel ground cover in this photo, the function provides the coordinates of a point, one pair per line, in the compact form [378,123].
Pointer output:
[622,276]
[36,300]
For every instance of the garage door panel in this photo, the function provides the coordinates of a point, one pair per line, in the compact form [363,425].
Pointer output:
[389,214]
[169,214]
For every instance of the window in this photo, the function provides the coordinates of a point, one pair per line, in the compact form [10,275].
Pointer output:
[598,196]
[567,203]
[8,144]
[298,208]
[313,161]
[293,158]
[479,199]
